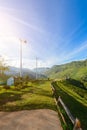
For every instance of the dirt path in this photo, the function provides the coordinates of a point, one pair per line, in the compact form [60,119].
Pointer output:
[43,119]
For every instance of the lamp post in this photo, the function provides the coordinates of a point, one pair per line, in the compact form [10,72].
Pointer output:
[21,42]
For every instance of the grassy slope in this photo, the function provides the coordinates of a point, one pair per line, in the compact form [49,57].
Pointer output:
[75,98]
[75,70]
[37,95]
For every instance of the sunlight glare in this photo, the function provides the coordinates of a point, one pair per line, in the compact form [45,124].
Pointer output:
[5,25]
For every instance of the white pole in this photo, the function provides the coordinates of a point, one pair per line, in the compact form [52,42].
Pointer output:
[21,42]
[20,58]
[36,67]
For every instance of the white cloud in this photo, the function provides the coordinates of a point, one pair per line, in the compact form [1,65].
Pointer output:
[77,50]
[67,56]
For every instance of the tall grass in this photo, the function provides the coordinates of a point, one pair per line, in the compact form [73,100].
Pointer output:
[36,95]
[75,99]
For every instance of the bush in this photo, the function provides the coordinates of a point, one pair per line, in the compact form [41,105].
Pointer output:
[6,87]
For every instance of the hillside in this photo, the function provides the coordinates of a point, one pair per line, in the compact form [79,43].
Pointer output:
[75,70]
[41,70]
[74,95]
[15,71]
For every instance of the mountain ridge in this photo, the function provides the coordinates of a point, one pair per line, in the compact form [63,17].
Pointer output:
[14,71]
[74,69]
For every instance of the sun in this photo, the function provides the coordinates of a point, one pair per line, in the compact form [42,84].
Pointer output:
[6,28]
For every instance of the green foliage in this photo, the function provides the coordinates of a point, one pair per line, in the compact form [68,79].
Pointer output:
[76,83]
[74,97]
[36,95]
[21,82]
[75,70]
[6,87]
[3,66]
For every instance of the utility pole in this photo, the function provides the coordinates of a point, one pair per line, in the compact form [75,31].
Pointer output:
[20,58]
[21,42]
[36,67]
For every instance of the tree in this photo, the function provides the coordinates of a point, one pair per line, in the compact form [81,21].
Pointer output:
[3,66]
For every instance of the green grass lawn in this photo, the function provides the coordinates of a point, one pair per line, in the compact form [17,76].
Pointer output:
[36,95]
[75,99]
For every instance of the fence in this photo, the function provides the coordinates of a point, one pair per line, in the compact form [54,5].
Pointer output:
[75,121]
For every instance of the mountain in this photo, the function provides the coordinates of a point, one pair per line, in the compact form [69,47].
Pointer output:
[41,70]
[15,72]
[75,69]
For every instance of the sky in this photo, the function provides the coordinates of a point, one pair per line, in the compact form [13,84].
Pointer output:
[55,31]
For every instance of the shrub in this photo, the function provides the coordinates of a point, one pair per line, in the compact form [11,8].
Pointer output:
[6,87]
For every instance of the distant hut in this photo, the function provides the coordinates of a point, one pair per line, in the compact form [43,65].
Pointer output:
[10,81]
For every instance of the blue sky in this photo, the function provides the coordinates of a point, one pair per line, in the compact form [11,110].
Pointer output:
[55,30]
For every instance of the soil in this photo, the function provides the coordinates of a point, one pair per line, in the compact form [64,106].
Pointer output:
[42,119]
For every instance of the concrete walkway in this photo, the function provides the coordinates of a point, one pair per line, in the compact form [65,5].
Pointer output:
[43,119]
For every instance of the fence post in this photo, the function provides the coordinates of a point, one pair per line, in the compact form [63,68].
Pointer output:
[77,125]
[76,122]
[53,90]
[67,110]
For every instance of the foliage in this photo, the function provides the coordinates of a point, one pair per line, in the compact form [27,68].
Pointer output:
[36,95]
[76,83]
[3,66]
[21,82]
[6,87]
[75,70]
[75,99]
